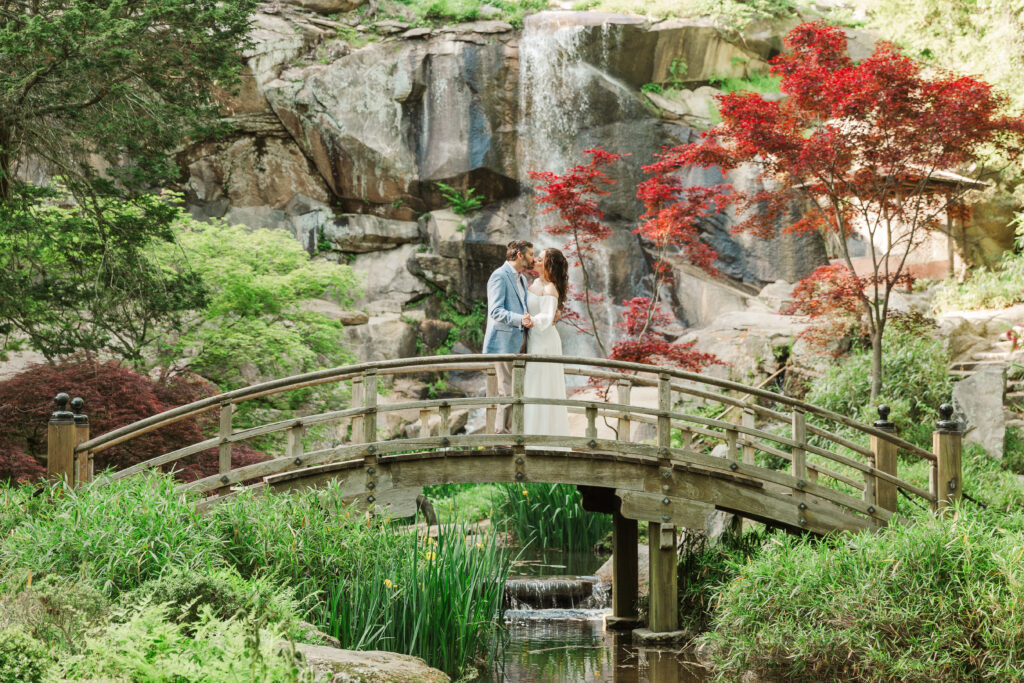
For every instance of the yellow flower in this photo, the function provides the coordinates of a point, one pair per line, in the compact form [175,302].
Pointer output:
[388,583]
[526,493]
[479,545]
[430,555]
[431,540]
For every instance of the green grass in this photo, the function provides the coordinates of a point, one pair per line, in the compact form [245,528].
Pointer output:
[999,287]
[551,516]
[440,12]
[463,502]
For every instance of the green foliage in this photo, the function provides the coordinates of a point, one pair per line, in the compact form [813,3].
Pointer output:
[119,535]
[124,81]
[78,277]
[55,610]
[463,502]
[151,646]
[222,591]
[999,287]
[915,382]
[461,202]
[651,87]
[23,659]
[550,515]
[367,583]
[435,12]
[933,598]
[468,327]
[733,15]
[704,568]
[755,82]
[257,281]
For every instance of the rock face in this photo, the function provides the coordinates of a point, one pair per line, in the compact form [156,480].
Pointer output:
[343,142]
[331,665]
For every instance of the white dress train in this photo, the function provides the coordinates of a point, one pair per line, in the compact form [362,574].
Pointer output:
[544,380]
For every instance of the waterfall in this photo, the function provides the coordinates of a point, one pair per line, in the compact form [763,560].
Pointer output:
[567,104]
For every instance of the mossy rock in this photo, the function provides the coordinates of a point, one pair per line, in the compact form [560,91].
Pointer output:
[331,665]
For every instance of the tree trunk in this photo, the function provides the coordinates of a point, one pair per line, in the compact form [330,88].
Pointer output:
[876,361]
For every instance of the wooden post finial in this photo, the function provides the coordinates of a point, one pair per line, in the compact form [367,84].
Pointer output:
[883,419]
[61,414]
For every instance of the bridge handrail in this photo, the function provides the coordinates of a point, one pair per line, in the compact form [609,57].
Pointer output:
[436,363]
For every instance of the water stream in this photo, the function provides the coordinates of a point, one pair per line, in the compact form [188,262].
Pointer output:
[568,643]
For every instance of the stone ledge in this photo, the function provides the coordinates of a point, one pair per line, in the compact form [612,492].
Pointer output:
[623,623]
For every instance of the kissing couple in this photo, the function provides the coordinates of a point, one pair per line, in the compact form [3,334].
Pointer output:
[521,316]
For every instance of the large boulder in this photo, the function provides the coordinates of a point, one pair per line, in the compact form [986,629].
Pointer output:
[327,6]
[361,233]
[978,401]
[331,665]
[387,275]
[749,341]
[382,338]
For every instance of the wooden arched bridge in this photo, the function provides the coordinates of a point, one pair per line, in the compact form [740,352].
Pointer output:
[768,457]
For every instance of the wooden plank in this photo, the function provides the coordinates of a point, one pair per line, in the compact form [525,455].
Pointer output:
[622,395]
[358,394]
[653,507]
[370,404]
[664,410]
[492,391]
[518,387]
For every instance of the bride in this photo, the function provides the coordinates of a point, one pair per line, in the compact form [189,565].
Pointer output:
[544,299]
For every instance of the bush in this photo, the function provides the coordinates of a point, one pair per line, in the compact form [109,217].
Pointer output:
[55,610]
[22,658]
[222,592]
[115,395]
[150,646]
[119,535]
[938,598]
[704,568]
[915,381]
[551,515]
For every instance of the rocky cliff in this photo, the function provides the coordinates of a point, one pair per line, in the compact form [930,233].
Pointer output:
[342,131]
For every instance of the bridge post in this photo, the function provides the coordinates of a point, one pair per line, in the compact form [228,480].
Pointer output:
[623,428]
[664,408]
[83,460]
[946,476]
[748,421]
[224,449]
[663,614]
[885,461]
[369,419]
[625,572]
[492,392]
[356,422]
[60,442]
[518,387]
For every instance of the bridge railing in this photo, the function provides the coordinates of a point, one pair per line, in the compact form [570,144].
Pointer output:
[818,461]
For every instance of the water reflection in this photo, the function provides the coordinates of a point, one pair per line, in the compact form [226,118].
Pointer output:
[572,645]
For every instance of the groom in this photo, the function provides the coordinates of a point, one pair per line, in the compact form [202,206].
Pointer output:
[507,319]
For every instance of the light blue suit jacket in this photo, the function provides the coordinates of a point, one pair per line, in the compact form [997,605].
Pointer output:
[506,305]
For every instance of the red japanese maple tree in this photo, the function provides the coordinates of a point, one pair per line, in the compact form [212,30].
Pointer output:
[858,145]
[670,222]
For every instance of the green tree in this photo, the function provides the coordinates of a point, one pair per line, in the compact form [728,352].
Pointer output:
[71,283]
[255,320]
[122,80]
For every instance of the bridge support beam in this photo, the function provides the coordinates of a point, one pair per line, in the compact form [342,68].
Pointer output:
[625,573]
[664,599]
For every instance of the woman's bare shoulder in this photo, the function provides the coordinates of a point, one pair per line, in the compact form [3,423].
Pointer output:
[550,289]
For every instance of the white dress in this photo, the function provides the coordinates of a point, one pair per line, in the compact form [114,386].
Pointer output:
[544,380]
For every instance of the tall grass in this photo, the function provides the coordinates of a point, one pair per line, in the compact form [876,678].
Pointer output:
[370,584]
[936,599]
[550,515]
[121,534]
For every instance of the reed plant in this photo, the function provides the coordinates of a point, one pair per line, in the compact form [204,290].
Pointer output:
[551,516]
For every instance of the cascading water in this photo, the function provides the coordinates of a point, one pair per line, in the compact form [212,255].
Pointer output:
[570,102]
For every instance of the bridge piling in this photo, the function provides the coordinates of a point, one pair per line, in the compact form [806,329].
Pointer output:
[663,614]
[625,573]
[945,480]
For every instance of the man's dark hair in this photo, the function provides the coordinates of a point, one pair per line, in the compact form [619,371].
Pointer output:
[517,247]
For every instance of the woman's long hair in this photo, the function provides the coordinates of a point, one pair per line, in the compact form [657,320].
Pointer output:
[557,270]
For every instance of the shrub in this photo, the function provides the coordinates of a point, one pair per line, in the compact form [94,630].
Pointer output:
[551,515]
[22,658]
[55,610]
[934,599]
[150,646]
[119,535]
[115,395]
[222,591]
[704,568]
